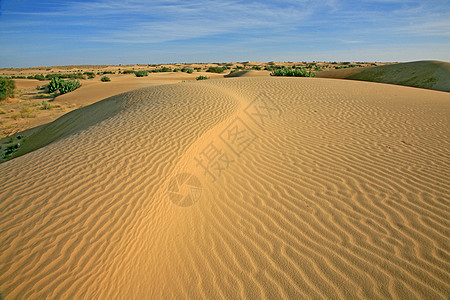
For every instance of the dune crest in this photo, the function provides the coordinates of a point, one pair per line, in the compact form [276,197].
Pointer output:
[234,188]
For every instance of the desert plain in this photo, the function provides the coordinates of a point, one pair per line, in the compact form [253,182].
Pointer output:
[242,186]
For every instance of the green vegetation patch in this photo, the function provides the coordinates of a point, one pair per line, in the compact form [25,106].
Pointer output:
[7,87]
[216,69]
[297,72]
[64,86]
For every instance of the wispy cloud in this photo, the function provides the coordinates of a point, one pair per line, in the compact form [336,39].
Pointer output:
[153,25]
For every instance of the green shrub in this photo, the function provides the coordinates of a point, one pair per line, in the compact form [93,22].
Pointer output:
[216,69]
[141,73]
[128,72]
[201,77]
[298,72]
[187,70]
[105,79]
[7,87]
[10,149]
[257,68]
[69,86]
[54,84]
[166,69]
[90,75]
[37,76]
[64,86]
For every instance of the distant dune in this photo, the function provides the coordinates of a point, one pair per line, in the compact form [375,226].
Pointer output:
[434,75]
[280,188]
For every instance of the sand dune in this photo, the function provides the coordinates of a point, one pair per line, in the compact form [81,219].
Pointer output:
[234,188]
[434,75]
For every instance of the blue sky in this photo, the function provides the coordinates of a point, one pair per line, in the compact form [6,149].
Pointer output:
[48,32]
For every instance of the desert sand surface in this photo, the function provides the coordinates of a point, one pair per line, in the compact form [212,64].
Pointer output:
[25,112]
[13,120]
[280,188]
[427,74]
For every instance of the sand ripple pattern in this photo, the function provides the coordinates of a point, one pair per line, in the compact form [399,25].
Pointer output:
[341,192]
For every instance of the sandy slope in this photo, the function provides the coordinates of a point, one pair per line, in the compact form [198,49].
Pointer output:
[434,75]
[340,192]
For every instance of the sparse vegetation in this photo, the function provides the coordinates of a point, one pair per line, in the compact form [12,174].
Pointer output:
[27,112]
[187,70]
[7,87]
[105,79]
[65,76]
[46,105]
[90,75]
[10,149]
[297,72]
[216,69]
[141,73]
[201,77]
[37,76]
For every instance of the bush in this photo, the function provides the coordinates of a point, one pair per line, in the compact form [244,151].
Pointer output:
[64,86]
[54,85]
[90,75]
[201,77]
[10,149]
[187,70]
[216,69]
[298,72]
[105,79]
[7,87]
[37,76]
[128,72]
[69,86]
[141,73]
